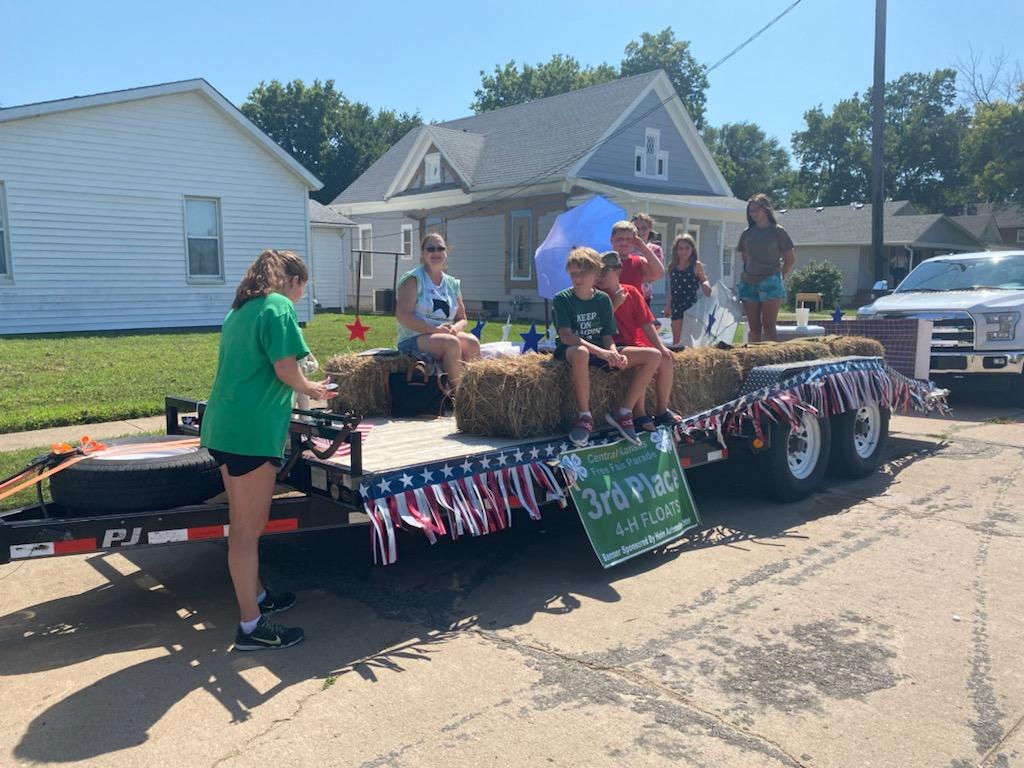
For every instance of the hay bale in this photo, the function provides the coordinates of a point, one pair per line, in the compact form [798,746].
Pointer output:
[841,346]
[363,382]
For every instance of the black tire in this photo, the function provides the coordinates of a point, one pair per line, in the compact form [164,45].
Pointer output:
[100,486]
[791,481]
[859,441]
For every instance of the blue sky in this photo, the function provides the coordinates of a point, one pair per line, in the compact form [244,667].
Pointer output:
[398,55]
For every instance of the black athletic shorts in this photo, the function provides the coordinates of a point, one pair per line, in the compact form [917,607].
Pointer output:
[594,362]
[238,464]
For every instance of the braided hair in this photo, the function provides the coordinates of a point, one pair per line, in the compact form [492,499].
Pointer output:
[268,274]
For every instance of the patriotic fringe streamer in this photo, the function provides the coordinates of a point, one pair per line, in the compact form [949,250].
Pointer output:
[482,502]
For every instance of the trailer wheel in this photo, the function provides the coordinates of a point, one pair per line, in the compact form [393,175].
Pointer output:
[795,463]
[154,478]
[858,440]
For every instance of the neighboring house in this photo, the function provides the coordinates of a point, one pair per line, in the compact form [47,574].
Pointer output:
[1009,221]
[841,235]
[331,253]
[139,209]
[494,183]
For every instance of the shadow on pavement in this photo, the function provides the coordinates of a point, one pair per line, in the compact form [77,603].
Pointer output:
[177,609]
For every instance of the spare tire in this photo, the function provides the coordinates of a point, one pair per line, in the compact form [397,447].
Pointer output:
[155,477]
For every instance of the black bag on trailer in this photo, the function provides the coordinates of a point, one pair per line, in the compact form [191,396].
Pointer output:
[417,393]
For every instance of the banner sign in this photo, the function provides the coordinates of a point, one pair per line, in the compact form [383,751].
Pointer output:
[631,498]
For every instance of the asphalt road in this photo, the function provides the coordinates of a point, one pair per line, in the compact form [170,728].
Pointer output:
[878,623]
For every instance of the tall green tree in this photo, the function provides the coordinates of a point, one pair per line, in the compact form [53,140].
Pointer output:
[334,138]
[993,151]
[663,51]
[510,84]
[834,153]
[751,161]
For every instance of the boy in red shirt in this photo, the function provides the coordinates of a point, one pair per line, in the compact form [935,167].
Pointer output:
[636,333]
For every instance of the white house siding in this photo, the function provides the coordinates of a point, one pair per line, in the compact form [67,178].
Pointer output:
[387,236]
[848,259]
[613,161]
[477,257]
[95,203]
[331,258]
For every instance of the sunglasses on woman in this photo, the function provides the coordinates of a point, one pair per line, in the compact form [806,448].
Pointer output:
[436,248]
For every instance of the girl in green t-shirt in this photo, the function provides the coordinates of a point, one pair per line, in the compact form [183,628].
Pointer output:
[245,426]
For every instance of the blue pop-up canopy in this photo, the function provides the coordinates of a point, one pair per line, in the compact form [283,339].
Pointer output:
[589,224]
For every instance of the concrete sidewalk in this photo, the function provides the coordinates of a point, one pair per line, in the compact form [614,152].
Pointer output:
[14,441]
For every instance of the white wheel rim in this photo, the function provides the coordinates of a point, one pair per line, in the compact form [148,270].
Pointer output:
[804,447]
[149,453]
[867,429]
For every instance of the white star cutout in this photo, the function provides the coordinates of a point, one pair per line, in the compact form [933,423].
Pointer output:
[518,455]
[564,447]
[364,489]
[485,463]
[428,476]
[534,452]
[385,486]
[406,479]
[446,471]
[502,459]
[466,466]
[549,449]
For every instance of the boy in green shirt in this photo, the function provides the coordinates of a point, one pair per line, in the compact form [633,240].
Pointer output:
[586,326]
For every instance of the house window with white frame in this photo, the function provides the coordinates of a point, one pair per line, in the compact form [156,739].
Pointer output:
[203,238]
[406,242]
[650,160]
[5,258]
[432,169]
[727,257]
[521,245]
[365,246]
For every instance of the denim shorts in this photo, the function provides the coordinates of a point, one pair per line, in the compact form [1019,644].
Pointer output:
[768,288]
[409,345]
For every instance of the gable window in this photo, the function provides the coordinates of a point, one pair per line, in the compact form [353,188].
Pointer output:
[650,160]
[203,238]
[406,242]
[521,245]
[432,169]
[365,246]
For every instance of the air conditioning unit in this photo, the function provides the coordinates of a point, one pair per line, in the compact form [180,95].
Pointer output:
[384,300]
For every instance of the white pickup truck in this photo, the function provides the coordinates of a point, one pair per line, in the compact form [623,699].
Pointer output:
[975,302]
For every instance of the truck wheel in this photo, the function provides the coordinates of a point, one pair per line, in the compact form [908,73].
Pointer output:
[795,463]
[154,478]
[858,440]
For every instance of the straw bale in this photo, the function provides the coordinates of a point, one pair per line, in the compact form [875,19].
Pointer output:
[363,382]
[841,346]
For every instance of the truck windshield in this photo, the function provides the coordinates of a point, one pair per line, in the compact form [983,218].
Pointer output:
[1005,272]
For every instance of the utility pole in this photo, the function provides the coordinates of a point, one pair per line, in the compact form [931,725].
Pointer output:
[877,146]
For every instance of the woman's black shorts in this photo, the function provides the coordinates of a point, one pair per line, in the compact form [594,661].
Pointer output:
[238,464]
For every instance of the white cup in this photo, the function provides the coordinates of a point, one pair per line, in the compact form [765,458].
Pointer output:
[803,316]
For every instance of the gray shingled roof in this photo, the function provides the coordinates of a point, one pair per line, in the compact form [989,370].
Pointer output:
[1008,215]
[321,214]
[845,225]
[523,143]
[983,227]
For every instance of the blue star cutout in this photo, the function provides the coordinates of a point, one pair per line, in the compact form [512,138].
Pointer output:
[530,339]
[711,323]
[837,316]
[478,329]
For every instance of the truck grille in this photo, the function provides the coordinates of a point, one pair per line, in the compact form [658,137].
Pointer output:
[953,334]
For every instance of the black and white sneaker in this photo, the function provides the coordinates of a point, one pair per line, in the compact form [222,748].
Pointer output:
[276,602]
[268,636]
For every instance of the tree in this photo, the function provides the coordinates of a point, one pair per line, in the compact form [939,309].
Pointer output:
[923,132]
[509,85]
[750,161]
[663,51]
[993,151]
[334,138]
[834,153]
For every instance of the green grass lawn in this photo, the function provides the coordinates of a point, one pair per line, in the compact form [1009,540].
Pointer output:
[52,381]
[15,461]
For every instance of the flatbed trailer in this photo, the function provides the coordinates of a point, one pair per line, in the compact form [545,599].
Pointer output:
[388,474]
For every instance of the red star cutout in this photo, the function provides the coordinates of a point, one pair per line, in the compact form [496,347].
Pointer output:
[357,330]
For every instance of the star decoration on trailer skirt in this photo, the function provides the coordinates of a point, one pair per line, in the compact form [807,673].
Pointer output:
[357,330]
[837,316]
[531,339]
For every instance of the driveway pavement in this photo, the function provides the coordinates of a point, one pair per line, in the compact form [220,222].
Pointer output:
[878,623]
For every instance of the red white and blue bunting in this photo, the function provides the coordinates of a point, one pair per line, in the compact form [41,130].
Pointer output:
[475,495]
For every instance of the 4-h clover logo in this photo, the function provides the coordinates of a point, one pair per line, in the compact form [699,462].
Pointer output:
[573,468]
[662,440]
